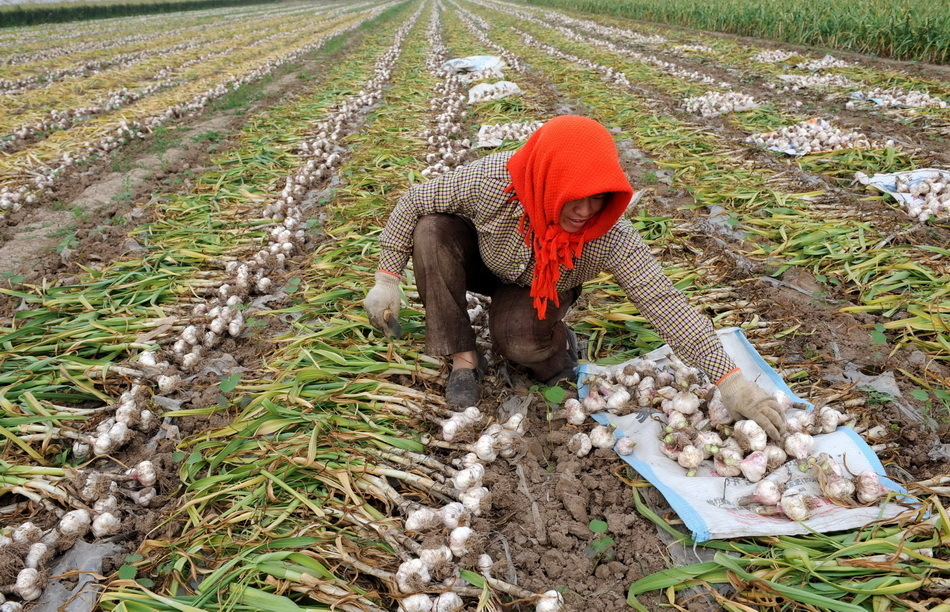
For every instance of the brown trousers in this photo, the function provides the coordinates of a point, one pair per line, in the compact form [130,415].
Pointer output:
[447,263]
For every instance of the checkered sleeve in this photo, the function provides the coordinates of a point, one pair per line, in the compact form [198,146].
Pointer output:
[689,333]
[453,192]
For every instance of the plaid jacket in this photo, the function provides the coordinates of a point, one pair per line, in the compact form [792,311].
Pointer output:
[477,191]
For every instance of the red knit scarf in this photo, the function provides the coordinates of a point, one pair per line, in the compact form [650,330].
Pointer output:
[568,158]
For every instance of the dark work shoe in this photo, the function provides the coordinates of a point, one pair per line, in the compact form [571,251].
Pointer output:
[462,389]
[569,373]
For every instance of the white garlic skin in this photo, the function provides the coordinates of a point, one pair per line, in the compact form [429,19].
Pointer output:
[458,540]
[603,437]
[75,523]
[420,602]
[106,524]
[550,601]
[29,584]
[448,602]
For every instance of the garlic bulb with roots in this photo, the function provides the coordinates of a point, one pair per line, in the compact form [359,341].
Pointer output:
[448,602]
[603,437]
[459,539]
[27,533]
[452,514]
[420,602]
[423,519]
[475,500]
[766,493]
[413,576]
[434,557]
[75,523]
[775,457]
[796,505]
[469,478]
[750,435]
[617,399]
[550,601]
[684,402]
[29,583]
[574,412]
[868,487]
[37,555]
[579,444]
[106,524]
[485,564]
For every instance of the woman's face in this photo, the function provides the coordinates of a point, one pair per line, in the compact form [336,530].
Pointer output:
[576,213]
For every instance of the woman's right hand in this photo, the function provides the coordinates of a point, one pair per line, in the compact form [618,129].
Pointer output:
[382,304]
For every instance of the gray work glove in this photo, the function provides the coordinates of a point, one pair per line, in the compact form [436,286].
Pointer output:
[382,304]
[745,400]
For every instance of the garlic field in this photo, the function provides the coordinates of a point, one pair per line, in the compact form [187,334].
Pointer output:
[196,415]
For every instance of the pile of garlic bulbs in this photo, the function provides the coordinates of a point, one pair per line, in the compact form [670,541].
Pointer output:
[494,134]
[772,56]
[715,103]
[794,82]
[896,96]
[698,431]
[813,136]
[922,198]
[828,61]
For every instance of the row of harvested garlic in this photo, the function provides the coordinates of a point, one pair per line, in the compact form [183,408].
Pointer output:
[813,136]
[13,196]
[37,547]
[715,103]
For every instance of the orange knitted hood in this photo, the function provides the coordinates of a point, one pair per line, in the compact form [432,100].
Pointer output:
[567,158]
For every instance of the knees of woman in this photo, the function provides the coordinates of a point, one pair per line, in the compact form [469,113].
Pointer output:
[524,346]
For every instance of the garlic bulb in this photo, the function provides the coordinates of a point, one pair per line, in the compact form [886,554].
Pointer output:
[869,488]
[750,436]
[579,444]
[625,446]
[29,583]
[106,524]
[423,519]
[433,557]
[774,456]
[550,601]
[413,576]
[27,533]
[420,602]
[603,437]
[458,540]
[485,564]
[690,457]
[75,523]
[754,466]
[726,463]
[448,602]
[469,477]
[37,556]
[452,514]
[766,493]
[796,505]
[475,500]
[574,412]
[799,445]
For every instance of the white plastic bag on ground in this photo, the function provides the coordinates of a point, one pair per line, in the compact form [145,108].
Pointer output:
[473,63]
[493,91]
[922,207]
[707,504]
